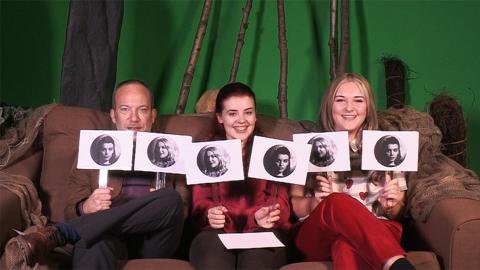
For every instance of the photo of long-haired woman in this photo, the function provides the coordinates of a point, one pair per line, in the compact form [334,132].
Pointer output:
[162,152]
[213,160]
[389,151]
[323,151]
[105,150]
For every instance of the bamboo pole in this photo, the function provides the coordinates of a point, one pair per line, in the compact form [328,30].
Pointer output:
[282,40]
[197,45]
[240,41]
[345,36]
[332,42]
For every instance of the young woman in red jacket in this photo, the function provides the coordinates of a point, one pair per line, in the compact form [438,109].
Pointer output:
[239,206]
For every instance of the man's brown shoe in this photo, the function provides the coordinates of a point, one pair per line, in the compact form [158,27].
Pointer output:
[35,246]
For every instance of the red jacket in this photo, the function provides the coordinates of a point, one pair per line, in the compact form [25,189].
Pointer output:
[242,199]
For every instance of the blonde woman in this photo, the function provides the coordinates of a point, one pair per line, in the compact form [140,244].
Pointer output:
[342,225]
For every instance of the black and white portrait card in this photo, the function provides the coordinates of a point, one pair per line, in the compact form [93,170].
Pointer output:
[390,150]
[105,149]
[330,150]
[278,160]
[157,152]
[214,161]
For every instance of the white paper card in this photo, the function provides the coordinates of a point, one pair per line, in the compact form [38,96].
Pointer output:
[250,240]
[105,149]
[103,178]
[330,150]
[278,160]
[157,152]
[390,150]
[214,161]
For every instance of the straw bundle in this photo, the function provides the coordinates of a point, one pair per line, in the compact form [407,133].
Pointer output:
[448,116]
[395,77]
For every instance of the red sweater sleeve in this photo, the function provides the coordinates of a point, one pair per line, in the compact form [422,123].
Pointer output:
[282,198]
[202,200]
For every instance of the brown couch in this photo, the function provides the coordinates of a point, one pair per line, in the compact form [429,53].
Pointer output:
[451,234]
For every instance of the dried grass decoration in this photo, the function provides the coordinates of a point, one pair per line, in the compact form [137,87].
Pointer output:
[395,77]
[448,116]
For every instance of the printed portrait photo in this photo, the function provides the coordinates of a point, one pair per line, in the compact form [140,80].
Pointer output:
[389,151]
[330,150]
[105,150]
[323,151]
[214,162]
[162,152]
[279,161]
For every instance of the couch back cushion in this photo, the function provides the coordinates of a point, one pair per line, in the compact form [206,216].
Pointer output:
[61,134]
[60,143]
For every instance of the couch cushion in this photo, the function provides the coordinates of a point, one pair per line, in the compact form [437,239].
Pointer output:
[422,260]
[156,264]
[196,125]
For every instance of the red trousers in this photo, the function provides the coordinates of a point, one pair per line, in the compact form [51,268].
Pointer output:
[342,230]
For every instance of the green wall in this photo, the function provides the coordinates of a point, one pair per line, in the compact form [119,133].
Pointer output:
[437,39]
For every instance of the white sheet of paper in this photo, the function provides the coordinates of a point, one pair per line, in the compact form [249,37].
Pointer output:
[380,147]
[158,152]
[250,240]
[334,150]
[279,160]
[214,161]
[105,149]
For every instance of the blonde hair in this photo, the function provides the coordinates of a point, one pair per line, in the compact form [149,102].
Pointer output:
[325,118]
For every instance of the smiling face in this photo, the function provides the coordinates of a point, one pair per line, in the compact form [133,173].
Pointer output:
[320,149]
[106,152]
[238,117]
[392,152]
[349,109]
[212,159]
[133,108]
[162,150]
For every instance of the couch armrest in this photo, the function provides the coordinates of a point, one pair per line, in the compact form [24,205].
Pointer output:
[29,167]
[10,216]
[10,209]
[452,231]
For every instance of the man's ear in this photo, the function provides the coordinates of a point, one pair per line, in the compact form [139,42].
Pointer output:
[219,118]
[112,116]
[154,114]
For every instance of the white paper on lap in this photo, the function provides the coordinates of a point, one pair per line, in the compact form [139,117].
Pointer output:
[250,240]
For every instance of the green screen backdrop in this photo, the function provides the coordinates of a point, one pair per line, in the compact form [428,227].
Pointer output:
[438,40]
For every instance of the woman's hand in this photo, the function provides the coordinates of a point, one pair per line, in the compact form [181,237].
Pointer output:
[267,216]
[323,186]
[100,199]
[216,216]
[391,193]
[391,197]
